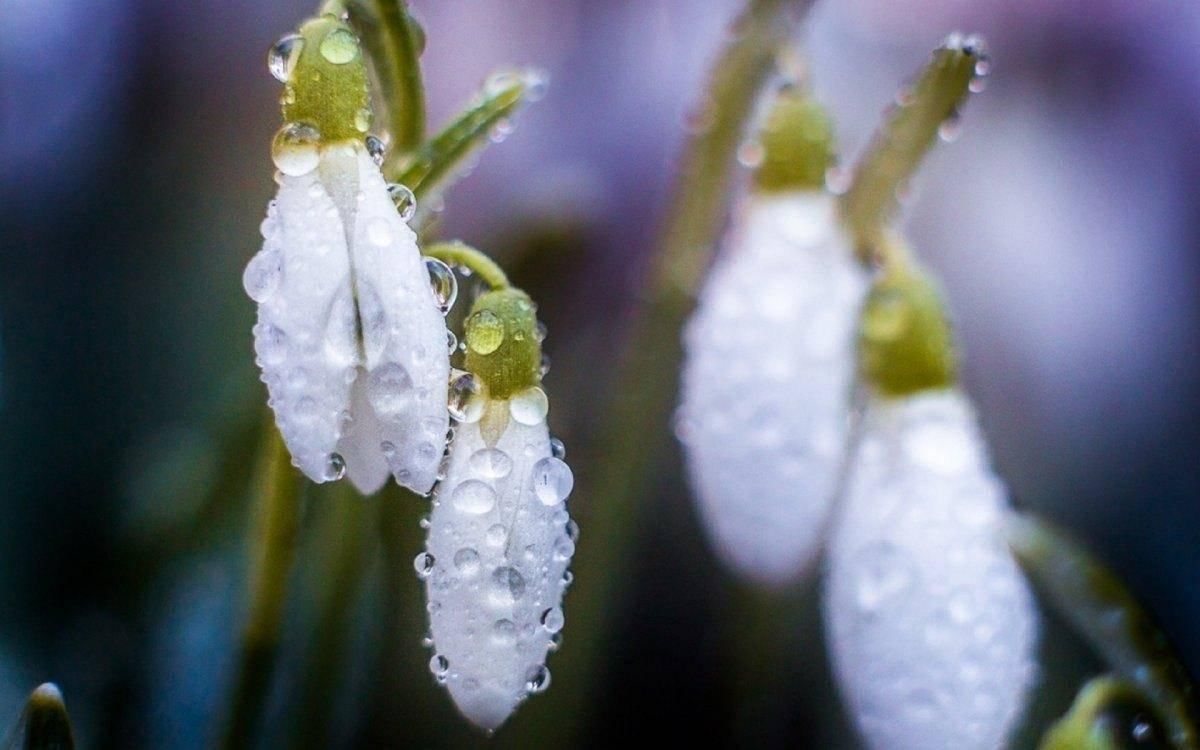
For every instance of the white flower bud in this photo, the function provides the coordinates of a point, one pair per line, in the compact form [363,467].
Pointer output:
[349,336]
[931,624]
[767,378]
[500,541]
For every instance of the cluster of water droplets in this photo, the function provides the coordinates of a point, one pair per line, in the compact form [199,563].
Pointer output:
[767,377]
[930,622]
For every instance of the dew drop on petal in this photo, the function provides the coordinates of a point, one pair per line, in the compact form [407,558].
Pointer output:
[451,342]
[491,463]
[497,535]
[466,562]
[538,679]
[439,666]
[473,497]
[529,407]
[281,58]
[464,397]
[339,46]
[271,344]
[552,481]
[557,449]
[508,585]
[443,283]
[423,564]
[294,149]
[335,467]
[390,389]
[262,275]
[376,149]
[403,199]
[552,620]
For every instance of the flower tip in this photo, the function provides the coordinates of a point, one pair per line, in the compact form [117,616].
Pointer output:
[47,694]
[486,709]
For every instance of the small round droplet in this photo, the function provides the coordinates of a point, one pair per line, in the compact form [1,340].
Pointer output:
[491,463]
[557,449]
[751,154]
[538,679]
[552,620]
[262,275]
[390,389]
[499,81]
[529,407]
[294,149]
[423,564]
[497,535]
[451,342]
[362,120]
[339,46]
[443,283]
[537,82]
[281,58]
[465,400]
[485,332]
[335,467]
[508,585]
[403,199]
[504,632]
[466,562]
[473,497]
[552,481]
[439,666]
[375,149]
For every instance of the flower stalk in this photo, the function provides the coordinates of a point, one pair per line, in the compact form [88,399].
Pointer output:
[44,724]
[394,42]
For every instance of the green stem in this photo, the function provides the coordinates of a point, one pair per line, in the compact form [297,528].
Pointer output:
[430,167]
[906,136]
[1099,606]
[394,42]
[273,552]
[44,724]
[348,533]
[457,253]
[622,477]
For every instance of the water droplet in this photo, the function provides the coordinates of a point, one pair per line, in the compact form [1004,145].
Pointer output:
[423,564]
[751,154]
[294,149]
[557,449]
[335,467]
[951,128]
[271,344]
[499,81]
[403,199]
[281,58]
[389,389]
[538,679]
[339,46]
[544,365]
[465,400]
[473,497]
[376,149]
[504,632]
[564,548]
[552,481]
[537,82]
[508,585]
[552,620]
[485,332]
[529,407]
[451,342]
[439,666]
[362,120]
[501,130]
[491,463]
[466,562]
[443,283]
[572,529]
[262,275]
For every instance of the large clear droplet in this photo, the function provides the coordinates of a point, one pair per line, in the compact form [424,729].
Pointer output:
[423,564]
[335,467]
[465,399]
[262,275]
[294,149]
[403,199]
[552,481]
[473,497]
[339,46]
[443,283]
[281,58]
[485,332]
[390,389]
[529,407]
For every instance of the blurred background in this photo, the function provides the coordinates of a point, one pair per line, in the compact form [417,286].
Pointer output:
[135,162]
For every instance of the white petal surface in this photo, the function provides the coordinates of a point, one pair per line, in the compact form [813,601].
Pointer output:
[403,337]
[366,466]
[305,336]
[499,544]
[930,622]
[767,377]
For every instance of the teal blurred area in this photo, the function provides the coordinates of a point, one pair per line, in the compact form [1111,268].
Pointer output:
[1065,223]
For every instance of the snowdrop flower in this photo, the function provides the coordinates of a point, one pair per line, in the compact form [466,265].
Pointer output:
[350,338]
[769,357]
[500,539]
[930,622]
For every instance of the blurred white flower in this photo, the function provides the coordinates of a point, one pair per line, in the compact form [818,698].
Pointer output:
[767,378]
[930,623]
[495,565]
[350,338]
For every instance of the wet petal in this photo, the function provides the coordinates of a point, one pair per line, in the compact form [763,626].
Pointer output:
[767,377]
[305,335]
[931,624]
[362,444]
[403,336]
[498,550]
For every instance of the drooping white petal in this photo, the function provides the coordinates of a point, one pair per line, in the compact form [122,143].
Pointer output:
[498,549]
[766,383]
[403,342]
[366,464]
[305,336]
[931,624]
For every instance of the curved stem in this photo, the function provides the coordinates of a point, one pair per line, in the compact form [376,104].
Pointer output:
[273,552]
[457,253]
[44,724]
[906,136]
